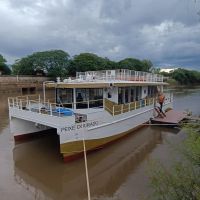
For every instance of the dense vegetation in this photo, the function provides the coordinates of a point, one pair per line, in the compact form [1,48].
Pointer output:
[51,63]
[181,181]
[58,63]
[4,69]
[184,76]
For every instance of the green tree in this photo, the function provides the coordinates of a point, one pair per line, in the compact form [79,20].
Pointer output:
[147,65]
[185,77]
[3,67]
[54,63]
[132,64]
[111,64]
[2,59]
[87,62]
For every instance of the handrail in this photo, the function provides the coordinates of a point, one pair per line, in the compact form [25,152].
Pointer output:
[37,105]
[27,102]
[116,109]
[120,74]
[122,108]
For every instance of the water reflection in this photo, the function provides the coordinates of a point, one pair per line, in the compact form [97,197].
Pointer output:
[39,168]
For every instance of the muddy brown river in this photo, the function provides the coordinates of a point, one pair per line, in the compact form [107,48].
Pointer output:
[34,170]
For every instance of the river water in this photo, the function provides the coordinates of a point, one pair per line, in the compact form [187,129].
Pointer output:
[34,169]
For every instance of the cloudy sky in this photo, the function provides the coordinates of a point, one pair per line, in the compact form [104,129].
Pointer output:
[166,32]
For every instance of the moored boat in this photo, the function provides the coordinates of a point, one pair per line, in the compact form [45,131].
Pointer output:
[97,107]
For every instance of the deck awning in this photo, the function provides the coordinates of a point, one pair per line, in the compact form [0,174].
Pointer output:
[78,85]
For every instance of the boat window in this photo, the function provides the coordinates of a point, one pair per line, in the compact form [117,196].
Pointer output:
[109,95]
[82,96]
[64,96]
[126,95]
[89,98]
[132,94]
[152,91]
[138,92]
[120,95]
[95,97]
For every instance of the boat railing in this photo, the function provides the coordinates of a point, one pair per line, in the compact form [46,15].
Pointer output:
[35,104]
[22,101]
[116,109]
[120,74]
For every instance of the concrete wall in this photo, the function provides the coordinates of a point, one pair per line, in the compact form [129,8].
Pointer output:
[29,79]
[16,84]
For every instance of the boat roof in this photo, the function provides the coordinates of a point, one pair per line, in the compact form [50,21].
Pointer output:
[108,78]
[102,85]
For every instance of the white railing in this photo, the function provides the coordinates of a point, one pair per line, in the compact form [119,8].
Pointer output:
[122,74]
[34,103]
[116,109]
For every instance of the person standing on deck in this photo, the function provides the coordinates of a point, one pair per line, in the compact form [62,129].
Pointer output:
[161,99]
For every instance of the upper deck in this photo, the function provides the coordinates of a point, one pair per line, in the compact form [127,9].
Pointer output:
[118,75]
[104,79]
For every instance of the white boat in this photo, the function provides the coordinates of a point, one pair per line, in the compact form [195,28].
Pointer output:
[97,107]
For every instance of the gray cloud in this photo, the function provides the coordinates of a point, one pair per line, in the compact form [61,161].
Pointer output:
[162,31]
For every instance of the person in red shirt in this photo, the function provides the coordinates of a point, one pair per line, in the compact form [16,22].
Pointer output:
[161,99]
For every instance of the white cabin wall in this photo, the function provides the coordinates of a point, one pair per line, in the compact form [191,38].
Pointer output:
[114,94]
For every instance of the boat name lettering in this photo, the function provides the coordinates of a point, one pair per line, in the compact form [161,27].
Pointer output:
[79,126]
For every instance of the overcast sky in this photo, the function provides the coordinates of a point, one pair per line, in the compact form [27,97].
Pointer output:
[166,32]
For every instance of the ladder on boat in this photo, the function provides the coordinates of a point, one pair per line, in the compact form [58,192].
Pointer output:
[161,114]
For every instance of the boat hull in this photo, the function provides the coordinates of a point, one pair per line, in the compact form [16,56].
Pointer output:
[74,150]
[71,142]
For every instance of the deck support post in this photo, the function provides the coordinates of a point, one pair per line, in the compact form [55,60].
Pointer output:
[50,109]
[74,98]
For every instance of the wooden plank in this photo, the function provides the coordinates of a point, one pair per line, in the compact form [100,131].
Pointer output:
[172,117]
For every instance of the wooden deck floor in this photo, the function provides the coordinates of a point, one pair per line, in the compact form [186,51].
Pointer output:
[172,117]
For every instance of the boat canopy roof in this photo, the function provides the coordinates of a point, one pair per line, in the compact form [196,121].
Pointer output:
[99,85]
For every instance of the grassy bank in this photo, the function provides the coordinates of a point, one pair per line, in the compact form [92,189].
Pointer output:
[181,181]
